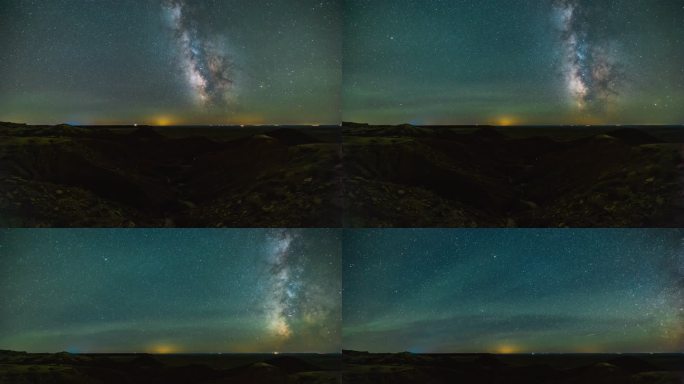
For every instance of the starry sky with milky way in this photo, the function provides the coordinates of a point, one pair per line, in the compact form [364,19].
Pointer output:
[168,62]
[513,62]
[513,291]
[170,291]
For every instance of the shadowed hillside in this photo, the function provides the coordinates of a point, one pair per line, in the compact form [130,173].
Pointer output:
[63,367]
[405,368]
[407,176]
[384,176]
[165,177]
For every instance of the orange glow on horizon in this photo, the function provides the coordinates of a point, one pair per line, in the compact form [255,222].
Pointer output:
[506,349]
[505,121]
[163,120]
[246,120]
[163,349]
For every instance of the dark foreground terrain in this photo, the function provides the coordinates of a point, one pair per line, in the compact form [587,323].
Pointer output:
[382,176]
[556,176]
[21,367]
[404,368]
[75,176]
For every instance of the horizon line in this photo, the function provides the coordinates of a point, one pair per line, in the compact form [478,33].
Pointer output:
[517,353]
[346,124]
[343,351]
[274,353]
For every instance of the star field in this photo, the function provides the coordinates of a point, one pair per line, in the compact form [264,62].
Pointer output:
[508,291]
[170,291]
[170,62]
[502,62]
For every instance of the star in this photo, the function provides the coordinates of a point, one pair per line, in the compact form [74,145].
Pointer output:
[608,290]
[186,290]
[192,63]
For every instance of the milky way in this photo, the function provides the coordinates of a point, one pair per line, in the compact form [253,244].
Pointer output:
[284,286]
[674,293]
[298,300]
[163,291]
[522,62]
[589,66]
[209,71]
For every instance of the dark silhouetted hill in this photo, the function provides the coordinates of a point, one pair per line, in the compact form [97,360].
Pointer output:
[145,132]
[517,369]
[291,136]
[633,136]
[70,368]
[291,364]
[69,176]
[407,176]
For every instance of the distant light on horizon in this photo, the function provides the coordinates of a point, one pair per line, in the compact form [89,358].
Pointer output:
[507,349]
[506,121]
[164,349]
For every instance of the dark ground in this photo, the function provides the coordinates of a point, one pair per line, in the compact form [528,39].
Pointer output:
[408,176]
[68,176]
[58,368]
[405,368]
[382,176]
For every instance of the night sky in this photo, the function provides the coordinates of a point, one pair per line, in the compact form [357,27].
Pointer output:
[507,291]
[514,62]
[170,61]
[170,291]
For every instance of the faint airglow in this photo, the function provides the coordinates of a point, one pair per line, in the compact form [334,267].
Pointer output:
[247,120]
[588,349]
